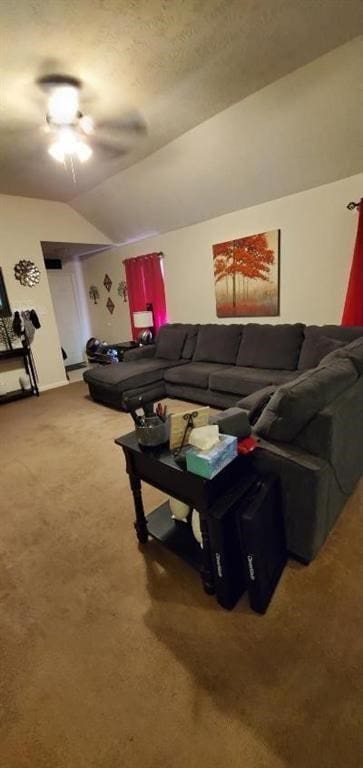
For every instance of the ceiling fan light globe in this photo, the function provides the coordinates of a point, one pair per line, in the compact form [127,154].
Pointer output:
[68,139]
[83,151]
[87,125]
[63,104]
[56,152]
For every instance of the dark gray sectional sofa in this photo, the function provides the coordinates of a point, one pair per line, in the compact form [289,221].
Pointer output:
[302,386]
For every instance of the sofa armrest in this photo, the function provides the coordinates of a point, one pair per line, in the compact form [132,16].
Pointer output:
[335,434]
[256,401]
[305,482]
[140,353]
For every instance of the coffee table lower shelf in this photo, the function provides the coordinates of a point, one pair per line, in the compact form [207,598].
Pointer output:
[175,535]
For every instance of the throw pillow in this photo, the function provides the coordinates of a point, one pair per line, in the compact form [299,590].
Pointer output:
[319,347]
[352,351]
[293,405]
[190,341]
[169,343]
[256,402]
[312,333]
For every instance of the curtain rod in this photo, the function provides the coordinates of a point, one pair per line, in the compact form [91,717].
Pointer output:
[158,253]
[352,205]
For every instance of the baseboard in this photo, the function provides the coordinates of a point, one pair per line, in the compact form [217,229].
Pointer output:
[56,384]
[75,367]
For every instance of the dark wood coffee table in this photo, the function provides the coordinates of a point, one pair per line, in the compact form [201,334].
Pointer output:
[159,469]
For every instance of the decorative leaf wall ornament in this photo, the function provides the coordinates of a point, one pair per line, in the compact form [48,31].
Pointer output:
[110,305]
[94,293]
[122,289]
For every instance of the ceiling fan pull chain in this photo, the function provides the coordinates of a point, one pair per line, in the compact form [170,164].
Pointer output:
[73,170]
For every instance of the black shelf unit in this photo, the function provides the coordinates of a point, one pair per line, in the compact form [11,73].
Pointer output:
[23,352]
[175,535]
[16,394]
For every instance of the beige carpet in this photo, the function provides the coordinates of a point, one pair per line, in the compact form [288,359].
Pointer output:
[114,658]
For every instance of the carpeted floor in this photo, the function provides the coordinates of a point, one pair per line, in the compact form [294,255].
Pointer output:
[112,658]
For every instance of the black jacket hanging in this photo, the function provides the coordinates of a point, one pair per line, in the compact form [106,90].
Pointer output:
[34,318]
[17,324]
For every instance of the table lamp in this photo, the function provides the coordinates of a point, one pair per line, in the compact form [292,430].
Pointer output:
[143,320]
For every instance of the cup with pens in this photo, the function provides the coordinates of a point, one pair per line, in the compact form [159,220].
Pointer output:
[152,424]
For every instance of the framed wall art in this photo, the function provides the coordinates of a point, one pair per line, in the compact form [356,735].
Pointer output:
[247,276]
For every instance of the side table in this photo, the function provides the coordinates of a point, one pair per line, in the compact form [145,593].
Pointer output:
[106,352]
[159,469]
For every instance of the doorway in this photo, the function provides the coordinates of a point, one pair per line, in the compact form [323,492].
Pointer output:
[64,272]
[67,315]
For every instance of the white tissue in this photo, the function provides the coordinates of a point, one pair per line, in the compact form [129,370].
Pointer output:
[204,438]
[179,510]
[196,527]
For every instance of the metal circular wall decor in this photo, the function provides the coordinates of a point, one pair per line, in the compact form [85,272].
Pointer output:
[27,273]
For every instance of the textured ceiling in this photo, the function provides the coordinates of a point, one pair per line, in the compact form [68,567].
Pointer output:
[55,250]
[177,61]
[299,132]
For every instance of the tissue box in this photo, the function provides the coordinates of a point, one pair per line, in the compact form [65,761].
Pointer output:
[208,463]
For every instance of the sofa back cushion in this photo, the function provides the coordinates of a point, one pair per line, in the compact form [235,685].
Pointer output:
[218,344]
[317,351]
[191,333]
[170,342]
[352,351]
[312,334]
[271,346]
[294,404]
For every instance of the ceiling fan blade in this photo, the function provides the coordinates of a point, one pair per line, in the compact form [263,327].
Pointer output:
[115,139]
[109,150]
[130,122]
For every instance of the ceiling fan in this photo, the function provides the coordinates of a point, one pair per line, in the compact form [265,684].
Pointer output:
[74,134]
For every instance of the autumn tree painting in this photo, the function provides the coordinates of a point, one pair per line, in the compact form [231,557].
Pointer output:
[246,275]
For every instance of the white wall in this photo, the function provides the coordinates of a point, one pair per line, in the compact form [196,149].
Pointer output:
[297,133]
[105,326]
[24,222]
[317,238]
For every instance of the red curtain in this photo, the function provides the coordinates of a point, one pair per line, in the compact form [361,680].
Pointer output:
[145,285]
[353,308]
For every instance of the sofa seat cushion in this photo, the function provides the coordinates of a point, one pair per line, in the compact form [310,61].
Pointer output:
[312,334]
[271,346]
[218,343]
[192,374]
[124,376]
[243,381]
[293,405]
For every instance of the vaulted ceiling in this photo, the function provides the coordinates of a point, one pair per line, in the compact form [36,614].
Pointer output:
[302,131]
[178,62]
